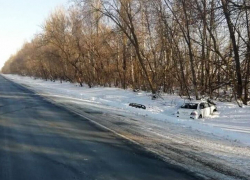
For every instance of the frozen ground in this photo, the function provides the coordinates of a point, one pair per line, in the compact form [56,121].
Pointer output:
[217,147]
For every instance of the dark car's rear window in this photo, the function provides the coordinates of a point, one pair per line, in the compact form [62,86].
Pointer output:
[190,106]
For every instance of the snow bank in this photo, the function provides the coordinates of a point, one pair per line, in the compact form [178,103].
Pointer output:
[232,122]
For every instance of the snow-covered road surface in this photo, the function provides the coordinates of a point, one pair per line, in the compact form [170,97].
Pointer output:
[215,147]
[41,141]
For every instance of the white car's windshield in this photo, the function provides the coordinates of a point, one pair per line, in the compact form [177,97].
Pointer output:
[190,106]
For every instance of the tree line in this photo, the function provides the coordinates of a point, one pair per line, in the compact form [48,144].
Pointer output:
[189,47]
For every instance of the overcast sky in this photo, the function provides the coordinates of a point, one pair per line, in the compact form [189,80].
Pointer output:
[20,20]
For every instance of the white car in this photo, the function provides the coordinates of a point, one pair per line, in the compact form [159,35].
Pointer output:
[196,109]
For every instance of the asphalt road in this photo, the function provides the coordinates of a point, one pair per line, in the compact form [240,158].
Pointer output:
[42,141]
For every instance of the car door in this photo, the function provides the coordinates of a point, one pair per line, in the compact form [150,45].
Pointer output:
[206,110]
[202,109]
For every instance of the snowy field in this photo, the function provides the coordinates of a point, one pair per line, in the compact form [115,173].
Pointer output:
[216,147]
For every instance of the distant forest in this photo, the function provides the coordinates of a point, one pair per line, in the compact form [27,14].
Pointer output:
[189,47]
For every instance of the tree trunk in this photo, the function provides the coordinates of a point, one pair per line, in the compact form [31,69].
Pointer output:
[235,47]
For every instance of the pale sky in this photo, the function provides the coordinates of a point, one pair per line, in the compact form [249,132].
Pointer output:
[20,20]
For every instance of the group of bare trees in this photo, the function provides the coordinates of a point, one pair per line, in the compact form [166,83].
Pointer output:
[193,47]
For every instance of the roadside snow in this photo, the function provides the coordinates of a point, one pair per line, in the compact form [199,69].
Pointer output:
[231,123]
[217,147]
